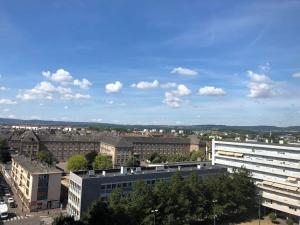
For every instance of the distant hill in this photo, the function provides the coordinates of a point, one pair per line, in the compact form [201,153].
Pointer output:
[6,121]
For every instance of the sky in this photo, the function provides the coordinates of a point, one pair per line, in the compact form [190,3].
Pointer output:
[151,62]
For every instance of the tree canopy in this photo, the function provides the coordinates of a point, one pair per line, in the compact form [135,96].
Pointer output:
[179,201]
[102,162]
[133,162]
[46,157]
[76,162]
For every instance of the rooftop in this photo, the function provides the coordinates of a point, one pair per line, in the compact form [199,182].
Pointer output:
[33,166]
[259,143]
[204,166]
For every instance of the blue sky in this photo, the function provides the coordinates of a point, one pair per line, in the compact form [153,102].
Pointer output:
[151,62]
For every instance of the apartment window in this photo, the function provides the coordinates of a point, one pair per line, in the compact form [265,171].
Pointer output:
[102,187]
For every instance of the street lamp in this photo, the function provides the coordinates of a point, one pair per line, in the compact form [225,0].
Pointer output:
[259,202]
[154,211]
[214,201]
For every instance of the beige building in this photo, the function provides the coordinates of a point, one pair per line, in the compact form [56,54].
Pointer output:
[122,148]
[37,185]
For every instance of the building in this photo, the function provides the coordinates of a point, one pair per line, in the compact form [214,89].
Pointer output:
[61,146]
[37,185]
[88,186]
[122,148]
[275,169]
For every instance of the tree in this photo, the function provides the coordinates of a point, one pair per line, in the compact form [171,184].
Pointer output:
[66,220]
[98,213]
[45,156]
[197,155]
[133,162]
[102,162]
[76,162]
[90,157]
[273,216]
[289,222]
[5,155]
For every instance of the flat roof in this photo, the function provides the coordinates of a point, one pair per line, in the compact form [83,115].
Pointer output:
[148,170]
[258,143]
[33,166]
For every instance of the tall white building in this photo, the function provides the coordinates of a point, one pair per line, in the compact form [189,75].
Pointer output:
[275,169]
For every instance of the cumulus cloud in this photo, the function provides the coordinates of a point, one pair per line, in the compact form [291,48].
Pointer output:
[97,120]
[66,107]
[184,71]
[43,90]
[211,91]
[173,98]
[6,101]
[60,76]
[2,88]
[297,75]
[146,85]
[182,90]
[168,85]
[113,87]
[260,86]
[11,116]
[83,84]
[110,102]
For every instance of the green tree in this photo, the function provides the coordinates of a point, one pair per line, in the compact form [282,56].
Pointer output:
[289,222]
[90,157]
[197,155]
[98,213]
[76,162]
[66,220]
[133,162]
[102,162]
[5,155]
[45,156]
[272,216]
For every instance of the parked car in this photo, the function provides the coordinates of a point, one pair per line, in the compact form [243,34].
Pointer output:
[10,200]
[7,193]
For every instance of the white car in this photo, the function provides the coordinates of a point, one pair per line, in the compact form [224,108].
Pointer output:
[10,200]
[7,194]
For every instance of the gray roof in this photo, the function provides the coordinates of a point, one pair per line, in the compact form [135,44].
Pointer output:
[116,141]
[34,167]
[157,140]
[69,138]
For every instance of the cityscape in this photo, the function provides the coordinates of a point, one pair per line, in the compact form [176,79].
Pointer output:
[149,113]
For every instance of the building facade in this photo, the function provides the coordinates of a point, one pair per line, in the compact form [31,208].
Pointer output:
[88,186]
[275,169]
[37,185]
[122,148]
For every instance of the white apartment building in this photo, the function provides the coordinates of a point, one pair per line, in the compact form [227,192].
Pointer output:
[275,169]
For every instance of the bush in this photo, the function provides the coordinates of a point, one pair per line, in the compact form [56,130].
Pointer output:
[273,216]
[77,162]
[289,222]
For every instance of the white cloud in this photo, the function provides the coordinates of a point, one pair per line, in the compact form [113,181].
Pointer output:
[76,96]
[83,84]
[35,117]
[3,88]
[168,85]
[66,107]
[182,90]
[171,100]
[113,87]
[184,71]
[11,116]
[146,85]
[260,86]
[5,101]
[6,110]
[211,91]
[43,90]
[110,102]
[61,76]
[46,74]
[297,75]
